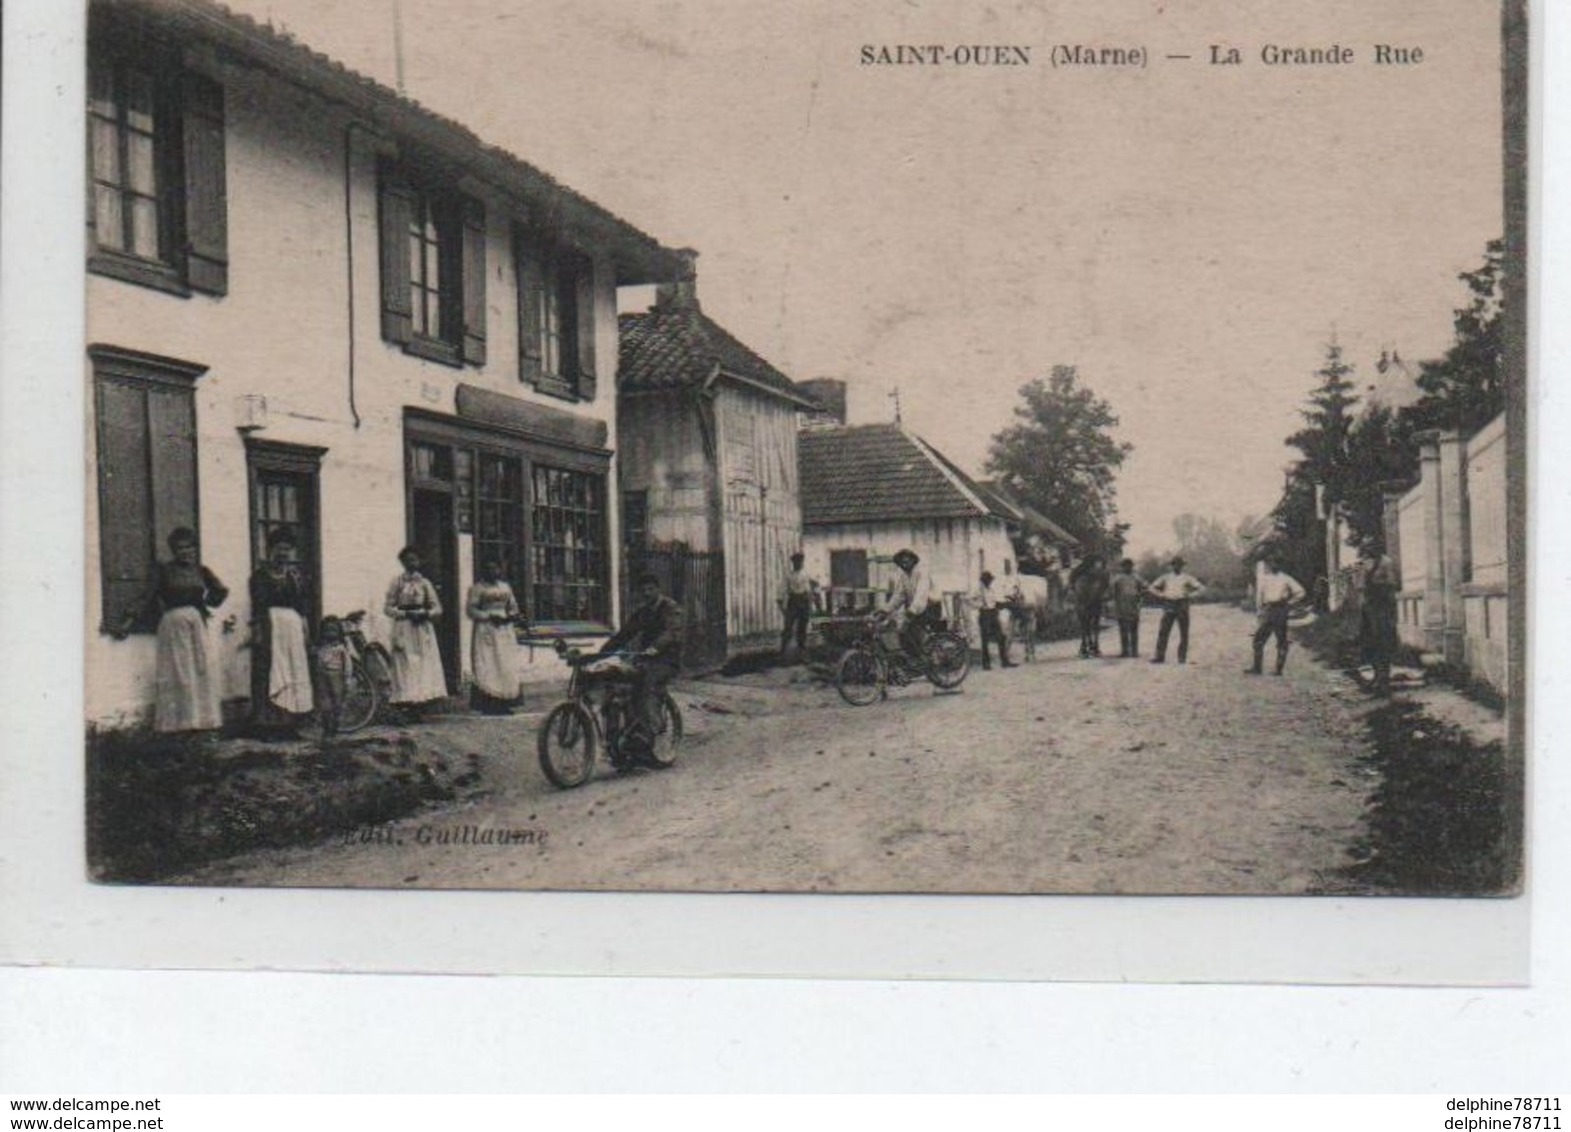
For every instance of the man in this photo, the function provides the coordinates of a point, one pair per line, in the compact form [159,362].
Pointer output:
[797,597]
[653,634]
[988,607]
[1174,590]
[1275,596]
[1127,589]
[915,601]
[1377,633]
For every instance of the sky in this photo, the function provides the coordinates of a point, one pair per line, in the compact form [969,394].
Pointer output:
[1189,236]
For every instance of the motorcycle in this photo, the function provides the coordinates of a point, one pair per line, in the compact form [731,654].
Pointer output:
[599,712]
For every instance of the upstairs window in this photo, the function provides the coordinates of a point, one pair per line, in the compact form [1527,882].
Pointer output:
[433,267]
[556,327]
[157,207]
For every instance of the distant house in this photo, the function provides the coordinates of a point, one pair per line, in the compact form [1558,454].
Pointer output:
[708,470]
[870,490]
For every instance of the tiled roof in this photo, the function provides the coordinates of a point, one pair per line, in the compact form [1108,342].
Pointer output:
[1033,520]
[669,347]
[640,257]
[881,473]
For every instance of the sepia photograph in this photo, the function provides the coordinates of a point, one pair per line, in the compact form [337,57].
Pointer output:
[1023,448]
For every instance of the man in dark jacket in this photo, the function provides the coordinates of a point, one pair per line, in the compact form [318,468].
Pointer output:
[653,634]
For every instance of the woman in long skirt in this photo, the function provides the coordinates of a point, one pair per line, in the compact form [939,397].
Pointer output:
[413,605]
[187,679]
[281,694]
[494,649]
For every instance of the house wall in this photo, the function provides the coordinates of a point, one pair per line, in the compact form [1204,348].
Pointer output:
[284,331]
[663,454]
[762,507]
[955,552]
[1486,596]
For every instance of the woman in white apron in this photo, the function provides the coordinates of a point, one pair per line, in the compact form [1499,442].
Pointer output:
[281,695]
[494,648]
[186,676]
[413,605]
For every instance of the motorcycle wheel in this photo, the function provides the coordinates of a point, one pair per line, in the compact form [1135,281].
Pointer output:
[662,752]
[859,678]
[566,742]
[362,699]
[948,660]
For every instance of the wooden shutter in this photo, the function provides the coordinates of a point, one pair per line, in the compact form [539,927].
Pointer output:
[171,431]
[584,318]
[397,198]
[205,184]
[125,520]
[474,280]
[531,291]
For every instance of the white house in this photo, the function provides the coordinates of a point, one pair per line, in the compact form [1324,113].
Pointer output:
[870,490]
[314,305]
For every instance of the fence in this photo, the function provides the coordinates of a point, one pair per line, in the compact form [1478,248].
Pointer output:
[1449,537]
[695,579]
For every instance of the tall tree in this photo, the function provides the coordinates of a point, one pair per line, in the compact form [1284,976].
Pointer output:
[1380,450]
[1060,456]
[1465,389]
[1329,419]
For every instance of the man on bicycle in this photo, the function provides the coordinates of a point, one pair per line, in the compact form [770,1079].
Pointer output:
[915,598]
[652,633]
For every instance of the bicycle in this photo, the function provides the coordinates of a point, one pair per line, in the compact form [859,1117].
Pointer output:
[870,665]
[369,682]
[599,712]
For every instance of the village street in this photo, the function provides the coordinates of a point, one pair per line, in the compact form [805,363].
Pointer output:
[1063,776]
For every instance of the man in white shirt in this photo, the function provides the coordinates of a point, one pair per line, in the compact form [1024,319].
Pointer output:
[798,595]
[915,598]
[988,607]
[1174,590]
[1275,596]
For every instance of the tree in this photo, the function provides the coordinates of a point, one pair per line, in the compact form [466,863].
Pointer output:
[1329,418]
[1060,457]
[1211,552]
[1380,451]
[1465,389]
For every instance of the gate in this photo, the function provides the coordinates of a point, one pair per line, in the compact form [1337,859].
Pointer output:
[695,579]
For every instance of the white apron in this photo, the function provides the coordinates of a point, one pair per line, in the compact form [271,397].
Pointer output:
[187,695]
[289,673]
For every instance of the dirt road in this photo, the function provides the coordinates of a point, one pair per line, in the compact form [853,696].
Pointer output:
[1062,776]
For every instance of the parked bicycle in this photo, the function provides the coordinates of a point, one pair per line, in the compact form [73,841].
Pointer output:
[871,665]
[369,682]
[600,712]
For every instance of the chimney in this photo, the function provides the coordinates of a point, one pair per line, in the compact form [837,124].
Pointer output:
[682,292]
[830,392]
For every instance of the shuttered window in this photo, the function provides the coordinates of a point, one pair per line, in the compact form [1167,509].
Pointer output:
[556,327]
[433,267]
[157,210]
[147,482]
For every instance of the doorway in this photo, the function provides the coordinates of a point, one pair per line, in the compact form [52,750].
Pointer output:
[432,534]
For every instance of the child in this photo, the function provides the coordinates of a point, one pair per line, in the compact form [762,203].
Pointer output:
[332,666]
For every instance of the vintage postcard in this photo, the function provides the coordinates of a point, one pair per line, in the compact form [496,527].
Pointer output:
[877,450]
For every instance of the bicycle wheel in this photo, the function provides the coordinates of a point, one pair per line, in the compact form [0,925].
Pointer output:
[662,752]
[860,677]
[948,659]
[380,667]
[567,745]
[362,698]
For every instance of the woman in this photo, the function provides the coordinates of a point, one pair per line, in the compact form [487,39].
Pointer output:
[280,673]
[186,675]
[413,605]
[494,649]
